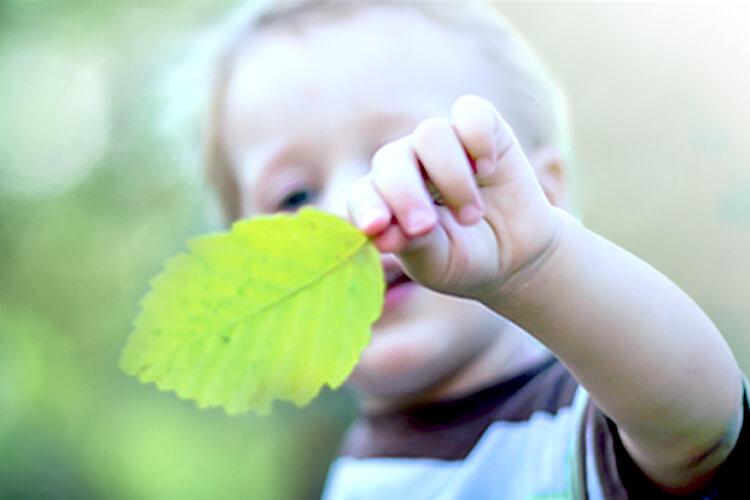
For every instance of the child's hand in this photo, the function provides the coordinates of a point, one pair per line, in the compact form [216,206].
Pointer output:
[496,220]
[628,334]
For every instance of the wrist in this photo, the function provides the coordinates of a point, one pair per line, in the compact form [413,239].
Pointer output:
[522,284]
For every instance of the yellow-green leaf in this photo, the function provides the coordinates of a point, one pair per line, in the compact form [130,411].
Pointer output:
[274,309]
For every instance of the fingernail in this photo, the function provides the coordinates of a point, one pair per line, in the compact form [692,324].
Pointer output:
[484,167]
[371,218]
[469,214]
[418,220]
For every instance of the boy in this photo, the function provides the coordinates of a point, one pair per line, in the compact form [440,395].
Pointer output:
[371,110]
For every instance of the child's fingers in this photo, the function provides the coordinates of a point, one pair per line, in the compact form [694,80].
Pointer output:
[392,240]
[367,209]
[485,135]
[369,212]
[447,166]
[396,178]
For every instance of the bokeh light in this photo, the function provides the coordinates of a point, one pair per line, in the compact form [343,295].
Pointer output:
[57,119]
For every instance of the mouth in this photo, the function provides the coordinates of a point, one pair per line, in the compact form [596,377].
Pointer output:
[396,278]
[398,285]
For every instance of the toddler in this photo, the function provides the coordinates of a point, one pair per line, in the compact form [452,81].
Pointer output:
[519,355]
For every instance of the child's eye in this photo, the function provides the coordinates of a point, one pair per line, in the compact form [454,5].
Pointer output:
[296,199]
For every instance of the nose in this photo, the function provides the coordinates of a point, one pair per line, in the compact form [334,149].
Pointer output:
[335,196]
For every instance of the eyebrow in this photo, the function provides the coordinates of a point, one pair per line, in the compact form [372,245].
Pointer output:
[281,151]
[380,119]
[277,154]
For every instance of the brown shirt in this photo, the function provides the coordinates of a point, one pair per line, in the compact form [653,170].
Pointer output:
[536,435]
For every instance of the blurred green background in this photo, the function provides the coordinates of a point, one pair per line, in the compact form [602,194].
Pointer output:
[92,200]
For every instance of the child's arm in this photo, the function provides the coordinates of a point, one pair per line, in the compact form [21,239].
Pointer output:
[646,353]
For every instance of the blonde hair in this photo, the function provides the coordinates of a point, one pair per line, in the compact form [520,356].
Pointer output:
[531,102]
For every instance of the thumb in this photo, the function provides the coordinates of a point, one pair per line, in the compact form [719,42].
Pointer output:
[489,141]
[427,257]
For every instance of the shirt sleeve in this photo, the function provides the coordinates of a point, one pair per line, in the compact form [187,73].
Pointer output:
[611,473]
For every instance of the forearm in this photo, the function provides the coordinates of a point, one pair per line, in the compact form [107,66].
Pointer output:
[647,354]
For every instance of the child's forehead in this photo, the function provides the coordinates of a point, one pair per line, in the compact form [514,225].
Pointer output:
[372,60]
[371,37]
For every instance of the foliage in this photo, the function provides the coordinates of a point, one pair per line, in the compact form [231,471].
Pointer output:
[274,309]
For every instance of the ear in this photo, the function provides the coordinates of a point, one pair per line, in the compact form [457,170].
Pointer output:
[552,172]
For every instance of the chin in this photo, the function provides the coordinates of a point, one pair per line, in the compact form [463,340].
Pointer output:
[397,360]
[404,364]
[421,343]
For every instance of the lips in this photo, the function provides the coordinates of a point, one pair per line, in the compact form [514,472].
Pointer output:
[399,287]
[398,280]
[394,274]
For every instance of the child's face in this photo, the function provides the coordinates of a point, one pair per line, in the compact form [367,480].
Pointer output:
[306,109]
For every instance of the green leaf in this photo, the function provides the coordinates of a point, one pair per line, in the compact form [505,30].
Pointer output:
[274,309]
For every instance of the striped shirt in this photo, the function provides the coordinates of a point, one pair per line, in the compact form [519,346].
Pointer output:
[535,436]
